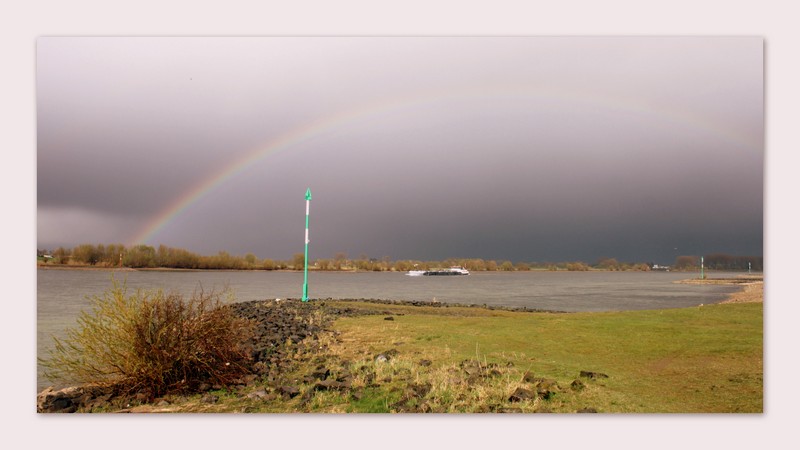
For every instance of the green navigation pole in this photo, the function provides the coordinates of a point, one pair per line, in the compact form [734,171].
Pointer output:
[305,259]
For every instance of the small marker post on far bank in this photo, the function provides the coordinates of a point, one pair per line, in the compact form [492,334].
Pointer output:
[305,258]
[702,274]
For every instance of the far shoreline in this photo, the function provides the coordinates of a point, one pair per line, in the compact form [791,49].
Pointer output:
[310,269]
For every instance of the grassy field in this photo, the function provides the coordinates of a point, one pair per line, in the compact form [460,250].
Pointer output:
[706,359]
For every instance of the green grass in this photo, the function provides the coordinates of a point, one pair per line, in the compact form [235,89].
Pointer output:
[704,359]
[694,360]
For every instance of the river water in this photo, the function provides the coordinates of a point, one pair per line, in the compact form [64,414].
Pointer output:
[63,294]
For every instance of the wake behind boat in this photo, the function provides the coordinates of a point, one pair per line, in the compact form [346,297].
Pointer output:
[455,270]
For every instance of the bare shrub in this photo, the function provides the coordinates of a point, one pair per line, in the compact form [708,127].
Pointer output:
[153,342]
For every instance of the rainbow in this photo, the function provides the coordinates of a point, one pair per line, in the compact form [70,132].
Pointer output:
[293,137]
[315,128]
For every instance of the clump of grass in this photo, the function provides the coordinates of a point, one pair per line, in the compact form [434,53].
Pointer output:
[152,342]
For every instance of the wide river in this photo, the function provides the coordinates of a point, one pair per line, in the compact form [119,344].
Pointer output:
[63,294]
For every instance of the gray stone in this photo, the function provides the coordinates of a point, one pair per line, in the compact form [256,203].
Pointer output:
[592,375]
[289,391]
[260,394]
[209,398]
[521,394]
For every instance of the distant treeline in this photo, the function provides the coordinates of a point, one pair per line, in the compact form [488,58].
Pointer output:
[721,261]
[145,256]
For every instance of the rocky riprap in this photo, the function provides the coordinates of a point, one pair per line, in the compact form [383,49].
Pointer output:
[290,320]
[70,399]
[438,304]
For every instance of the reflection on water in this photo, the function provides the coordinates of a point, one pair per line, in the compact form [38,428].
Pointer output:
[62,294]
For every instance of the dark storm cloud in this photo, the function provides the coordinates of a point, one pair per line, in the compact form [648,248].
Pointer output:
[527,149]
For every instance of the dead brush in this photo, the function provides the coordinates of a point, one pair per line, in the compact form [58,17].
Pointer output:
[153,343]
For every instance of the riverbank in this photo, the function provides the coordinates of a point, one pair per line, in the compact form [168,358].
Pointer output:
[752,287]
[53,266]
[752,292]
[381,356]
[74,267]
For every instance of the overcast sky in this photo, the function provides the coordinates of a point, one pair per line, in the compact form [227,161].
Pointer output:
[526,149]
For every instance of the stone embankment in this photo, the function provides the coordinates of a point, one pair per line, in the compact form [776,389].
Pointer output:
[438,304]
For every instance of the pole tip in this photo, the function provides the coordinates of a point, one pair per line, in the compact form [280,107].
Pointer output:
[308,194]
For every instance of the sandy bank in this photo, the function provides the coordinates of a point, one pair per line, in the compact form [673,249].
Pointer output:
[752,287]
[752,292]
